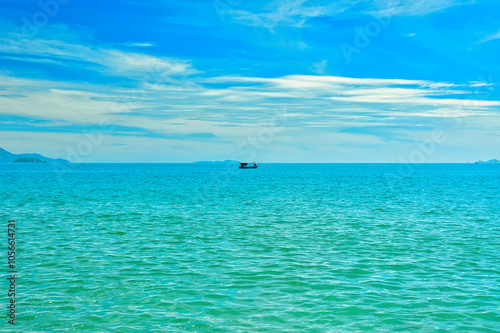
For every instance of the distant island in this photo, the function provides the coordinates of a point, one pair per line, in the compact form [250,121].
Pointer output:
[490,161]
[7,157]
[29,160]
[217,162]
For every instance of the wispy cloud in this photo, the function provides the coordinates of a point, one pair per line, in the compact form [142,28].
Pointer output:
[74,53]
[408,94]
[139,44]
[319,67]
[289,12]
[490,37]
[296,13]
[205,106]
[414,7]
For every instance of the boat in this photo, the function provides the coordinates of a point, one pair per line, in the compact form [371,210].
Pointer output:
[246,166]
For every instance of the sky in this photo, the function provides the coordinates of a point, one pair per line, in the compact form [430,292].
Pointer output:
[398,81]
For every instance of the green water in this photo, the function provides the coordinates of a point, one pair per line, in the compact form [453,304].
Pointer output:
[297,248]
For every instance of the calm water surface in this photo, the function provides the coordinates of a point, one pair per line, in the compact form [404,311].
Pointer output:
[286,247]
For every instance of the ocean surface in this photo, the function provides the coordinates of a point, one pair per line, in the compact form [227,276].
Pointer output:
[283,248]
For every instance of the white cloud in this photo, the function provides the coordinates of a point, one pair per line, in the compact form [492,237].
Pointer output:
[243,103]
[136,63]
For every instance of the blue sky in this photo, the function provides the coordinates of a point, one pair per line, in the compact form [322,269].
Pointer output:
[272,81]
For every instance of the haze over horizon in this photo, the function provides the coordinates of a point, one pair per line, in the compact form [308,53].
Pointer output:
[278,81]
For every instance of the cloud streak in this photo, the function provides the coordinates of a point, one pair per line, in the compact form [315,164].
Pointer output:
[296,13]
[220,105]
[490,37]
[100,59]
[139,44]
[415,7]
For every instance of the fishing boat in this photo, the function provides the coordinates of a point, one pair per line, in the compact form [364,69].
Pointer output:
[246,166]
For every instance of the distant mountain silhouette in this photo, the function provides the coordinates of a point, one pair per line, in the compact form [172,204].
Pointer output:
[217,162]
[490,161]
[7,157]
[29,160]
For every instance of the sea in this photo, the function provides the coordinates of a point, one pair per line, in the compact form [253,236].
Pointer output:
[281,248]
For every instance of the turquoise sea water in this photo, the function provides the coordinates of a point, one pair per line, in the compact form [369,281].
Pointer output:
[286,247]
